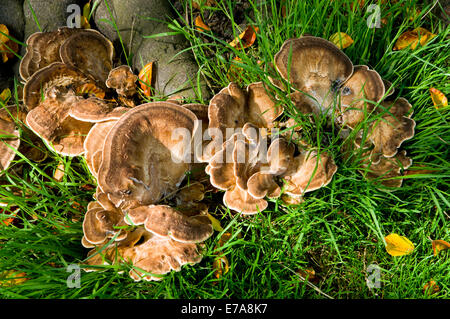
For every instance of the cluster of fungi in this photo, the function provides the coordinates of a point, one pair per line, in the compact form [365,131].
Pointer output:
[137,164]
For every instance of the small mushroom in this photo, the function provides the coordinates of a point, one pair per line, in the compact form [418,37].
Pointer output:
[100,225]
[359,94]
[123,80]
[387,171]
[143,155]
[393,128]
[164,221]
[89,51]
[52,122]
[314,66]
[309,171]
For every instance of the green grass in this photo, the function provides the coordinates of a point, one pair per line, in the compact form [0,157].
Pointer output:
[338,230]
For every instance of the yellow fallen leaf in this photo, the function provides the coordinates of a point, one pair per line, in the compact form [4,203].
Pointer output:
[439,245]
[397,245]
[438,98]
[7,46]
[247,38]
[411,38]
[5,95]
[341,40]
[200,25]
[215,223]
[145,78]
[431,287]
[309,274]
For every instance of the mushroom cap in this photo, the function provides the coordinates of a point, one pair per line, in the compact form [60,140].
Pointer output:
[51,121]
[89,51]
[388,170]
[100,225]
[314,66]
[42,50]
[309,171]
[394,127]
[152,256]
[241,201]
[56,74]
[9,136]
[164,221]
[262,108]
[93,144]
[359,94]
[123,80]
[96,110]
[142,158]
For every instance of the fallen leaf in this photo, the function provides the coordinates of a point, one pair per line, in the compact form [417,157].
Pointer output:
[341,40]
[5,95]
[438,98]
[12,277]
[59,172]
[220,266]
[215,223]
[200,25]
[9,220]
[90,88]
[7,46]
[197,4]
[308,274]
[439,245]
[431,287]
[247,38]
[411,38]
[397,245]
[145,78]
[234,73]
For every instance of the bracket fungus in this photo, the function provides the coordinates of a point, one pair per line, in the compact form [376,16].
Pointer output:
[123,80]
[142,159]
[9,135]
[315,67]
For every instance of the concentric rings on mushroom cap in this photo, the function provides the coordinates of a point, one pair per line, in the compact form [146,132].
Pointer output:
[144,157]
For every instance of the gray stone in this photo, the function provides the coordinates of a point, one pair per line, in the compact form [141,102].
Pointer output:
[50,14]
[11,15]
[136,19]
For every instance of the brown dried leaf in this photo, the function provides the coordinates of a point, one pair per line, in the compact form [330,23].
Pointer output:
[439,245]
[247,38]
[431,288]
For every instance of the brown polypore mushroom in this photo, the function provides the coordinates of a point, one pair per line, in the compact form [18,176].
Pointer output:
[232,107]
[151,256]
[123,80]
[359,95]
[387,171]
[309,171]
[52,122]
[89,51]
[42,50]
[314,66]
[144,154]
[57,75]
[393,128]
[164,221]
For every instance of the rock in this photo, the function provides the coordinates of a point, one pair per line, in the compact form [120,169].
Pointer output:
[11,15]
[136,19]
[50,14]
